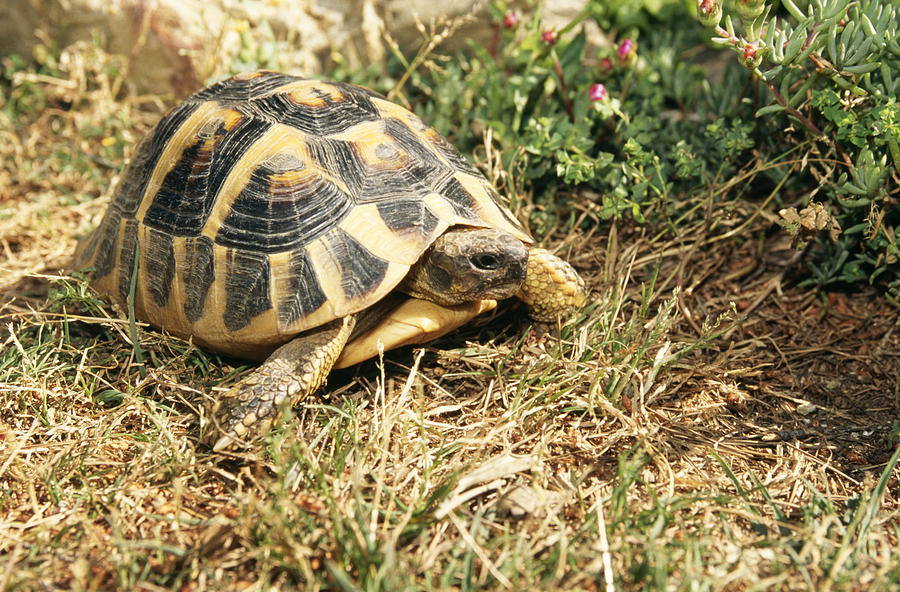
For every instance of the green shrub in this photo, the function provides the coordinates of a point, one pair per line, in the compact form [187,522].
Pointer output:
[832,71]
[563,113]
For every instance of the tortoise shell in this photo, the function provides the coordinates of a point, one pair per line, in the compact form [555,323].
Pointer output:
[266,205]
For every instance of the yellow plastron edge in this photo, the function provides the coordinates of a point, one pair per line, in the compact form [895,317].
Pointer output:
[414,321]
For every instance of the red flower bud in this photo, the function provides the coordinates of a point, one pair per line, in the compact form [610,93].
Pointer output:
[626,49]
[549,36]
[751,57]
[709,12]
[598,92]
[606,65]
[510,20]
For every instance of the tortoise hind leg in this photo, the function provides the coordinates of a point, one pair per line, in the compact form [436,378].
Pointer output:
[293,371]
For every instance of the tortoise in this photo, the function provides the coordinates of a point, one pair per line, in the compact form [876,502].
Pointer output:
[274,217]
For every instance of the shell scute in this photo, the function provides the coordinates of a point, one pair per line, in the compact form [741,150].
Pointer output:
[197,275]
[361,270]
[99,250]
[244,87]
[247,291]
[338,161]
[462,202]
[280,210]
[186,194]
[407,215]
[130,191]
[128,246]
[314,107]
[160,262]
[449,152]
[299,292]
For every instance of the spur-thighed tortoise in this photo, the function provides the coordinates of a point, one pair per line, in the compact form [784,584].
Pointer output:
[269,212]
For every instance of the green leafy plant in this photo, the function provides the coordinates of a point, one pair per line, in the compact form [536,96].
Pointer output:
[831,71]
[562,112]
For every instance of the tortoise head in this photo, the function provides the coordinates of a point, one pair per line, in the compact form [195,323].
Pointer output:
[467,264]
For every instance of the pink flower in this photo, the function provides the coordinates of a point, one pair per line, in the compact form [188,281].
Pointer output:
[549,36]
[510,20]
[598,92]
[626,49]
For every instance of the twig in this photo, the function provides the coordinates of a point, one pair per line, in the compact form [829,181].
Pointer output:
[605,555]
[473,544]
[132,324]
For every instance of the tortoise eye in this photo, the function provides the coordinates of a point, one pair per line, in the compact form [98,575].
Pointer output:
[486,261]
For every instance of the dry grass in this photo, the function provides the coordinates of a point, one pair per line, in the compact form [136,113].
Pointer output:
[639,449]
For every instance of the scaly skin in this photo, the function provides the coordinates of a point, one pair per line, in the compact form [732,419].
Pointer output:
[552,288]
[292,372]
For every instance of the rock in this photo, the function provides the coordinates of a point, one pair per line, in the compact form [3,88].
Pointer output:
[178,46]
[806,408]
[522,501]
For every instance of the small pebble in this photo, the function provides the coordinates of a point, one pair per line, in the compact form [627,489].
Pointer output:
[806,409]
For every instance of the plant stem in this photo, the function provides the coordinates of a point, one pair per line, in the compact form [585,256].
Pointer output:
[567,102]
[799,116]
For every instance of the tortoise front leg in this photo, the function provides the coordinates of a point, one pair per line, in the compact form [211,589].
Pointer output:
[293,371]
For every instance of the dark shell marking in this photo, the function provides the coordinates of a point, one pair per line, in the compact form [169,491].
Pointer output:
[252,181]
[127,261]
[332,118]
[403,215]
[360,270]
[160,262]
[246,287]
[198,274]
[100,247]
[303,295]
